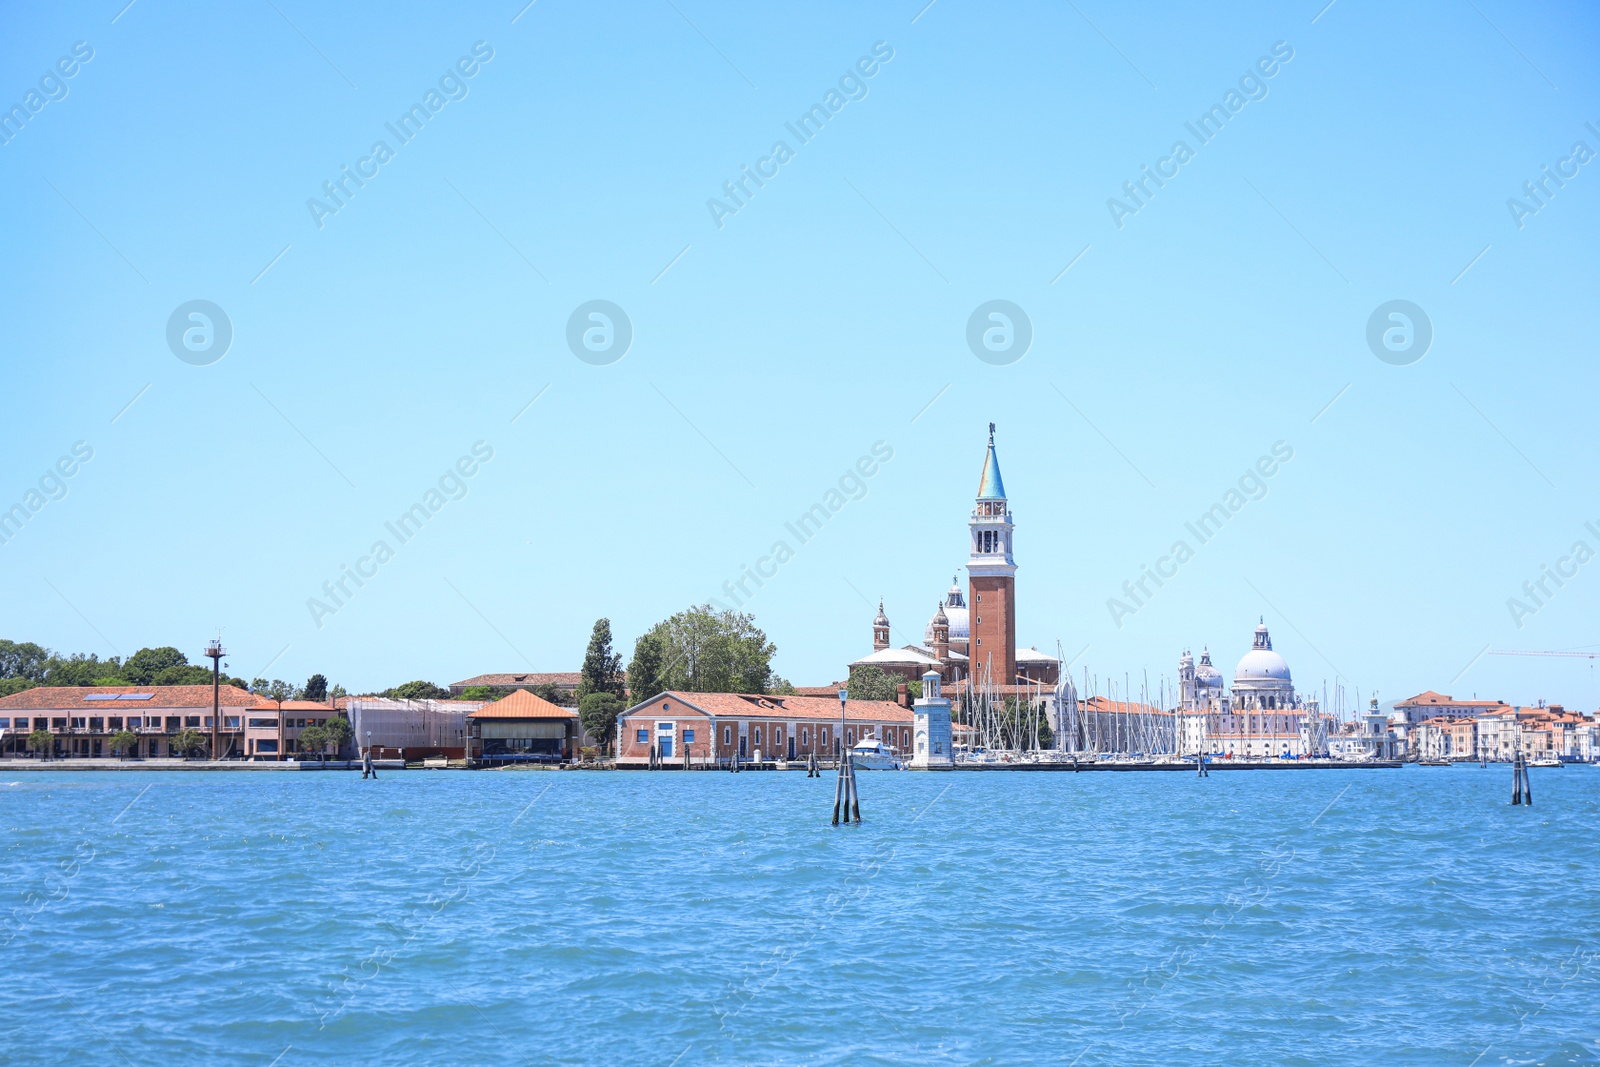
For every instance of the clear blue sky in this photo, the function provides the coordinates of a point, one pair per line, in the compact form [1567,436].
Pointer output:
[820,318]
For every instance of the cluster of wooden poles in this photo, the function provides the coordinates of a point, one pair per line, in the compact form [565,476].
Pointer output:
[846,800]
[1520,785]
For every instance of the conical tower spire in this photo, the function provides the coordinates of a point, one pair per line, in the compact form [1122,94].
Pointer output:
[990,487]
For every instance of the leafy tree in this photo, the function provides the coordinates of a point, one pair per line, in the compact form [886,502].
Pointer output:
[479,692]
[122,742]
[872,683]
[278,689]
[914,687]
[42,742]
[15,685]
[314,739]
[602,668]
[418,690]
[780,687]
[710,651]
[598,712]
[182,674]
[337,692]
[316,688]
[79,669]
[144,665]
[338,731]
[23,659]
[187,742]
[644,673]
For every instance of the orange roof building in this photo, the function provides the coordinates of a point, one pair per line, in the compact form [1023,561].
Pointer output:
[711,728]
[522,728]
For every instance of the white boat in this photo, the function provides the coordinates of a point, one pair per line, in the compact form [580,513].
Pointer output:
[1548,761]
[870,754]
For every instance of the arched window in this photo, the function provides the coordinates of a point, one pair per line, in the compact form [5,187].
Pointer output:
[727,735]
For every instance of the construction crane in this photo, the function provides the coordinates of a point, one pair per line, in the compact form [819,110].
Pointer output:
[1512,652]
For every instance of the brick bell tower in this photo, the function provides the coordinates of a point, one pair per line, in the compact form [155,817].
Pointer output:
[992,579]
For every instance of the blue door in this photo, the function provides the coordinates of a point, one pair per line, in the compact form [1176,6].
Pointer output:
[666,747]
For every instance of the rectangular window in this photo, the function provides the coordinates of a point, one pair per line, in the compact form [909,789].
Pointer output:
[805,736]
[116,722]
[22,724]
[665,727]
[5,724]
[264,724]
[191,721]
[79,723]
[688,737]
[96,723]
[172,722]
[758,735]
[727,735]
[58,724]
[643,737]
[231,721]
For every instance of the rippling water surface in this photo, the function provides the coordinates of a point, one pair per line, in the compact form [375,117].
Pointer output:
[1408,916]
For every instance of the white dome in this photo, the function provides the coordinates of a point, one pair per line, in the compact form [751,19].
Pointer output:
[1261,665]
[958,626]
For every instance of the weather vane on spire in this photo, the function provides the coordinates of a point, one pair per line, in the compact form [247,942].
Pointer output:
[991,433]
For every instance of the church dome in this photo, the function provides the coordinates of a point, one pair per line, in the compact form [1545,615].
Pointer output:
[882,619]
[955,611]
[1205,674]
[1261,667]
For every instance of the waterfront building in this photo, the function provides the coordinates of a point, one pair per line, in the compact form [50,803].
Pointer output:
[932,742]
[410,729]
[1368,738]
[713,727]
[83,718]
[1430,705]
[972,634]
[522,727]
[1261,717]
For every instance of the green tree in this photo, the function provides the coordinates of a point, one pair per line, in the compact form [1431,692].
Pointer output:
[644,672]
[602,668]
[122,742]
[181,674]
[79,669]
[418,690]
[144,665]
[338,731]
[780,687]
[278,690]
[314,739]
[23,659]
[187,742]
[337,692]
[598,712]
[15,685]
[479,692]
[872,683]
[709,651]
[42,743]
[316,688]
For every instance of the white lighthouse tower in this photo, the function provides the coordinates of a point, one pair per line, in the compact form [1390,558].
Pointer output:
[932,732]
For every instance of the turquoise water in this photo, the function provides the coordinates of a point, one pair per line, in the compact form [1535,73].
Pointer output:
[1355,917]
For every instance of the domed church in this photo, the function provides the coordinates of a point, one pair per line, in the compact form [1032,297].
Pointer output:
[1262,716]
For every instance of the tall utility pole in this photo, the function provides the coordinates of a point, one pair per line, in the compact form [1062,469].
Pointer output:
[214,652]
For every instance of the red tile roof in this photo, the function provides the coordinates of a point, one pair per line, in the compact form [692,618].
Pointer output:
[762,706]
[73,697]
[566,679]
[1431,699]
[523,705]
